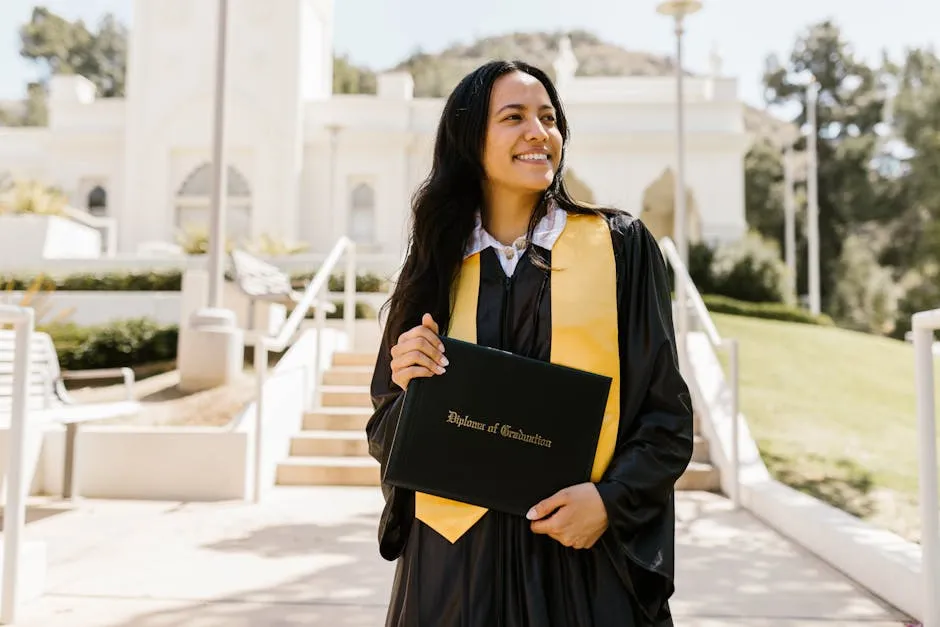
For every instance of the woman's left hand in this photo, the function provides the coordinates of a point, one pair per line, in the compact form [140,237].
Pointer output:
[580,519]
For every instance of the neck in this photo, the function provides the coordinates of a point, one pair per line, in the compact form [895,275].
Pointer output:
[507,215]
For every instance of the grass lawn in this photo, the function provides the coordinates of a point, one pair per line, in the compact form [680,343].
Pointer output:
[833,413]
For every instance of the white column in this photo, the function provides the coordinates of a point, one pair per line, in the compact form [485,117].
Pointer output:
[812,216]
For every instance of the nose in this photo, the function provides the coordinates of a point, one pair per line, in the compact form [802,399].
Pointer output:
[535,131]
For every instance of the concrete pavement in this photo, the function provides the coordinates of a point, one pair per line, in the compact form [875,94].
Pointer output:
[307,556]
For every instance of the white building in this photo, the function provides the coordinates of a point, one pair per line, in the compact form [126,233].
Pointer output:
[308,165]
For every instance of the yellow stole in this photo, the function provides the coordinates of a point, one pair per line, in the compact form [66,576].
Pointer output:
[584,335]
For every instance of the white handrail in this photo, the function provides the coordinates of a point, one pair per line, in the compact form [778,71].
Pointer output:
[923,325]
[730,345]
[279,342]
[97,222]
[14,514]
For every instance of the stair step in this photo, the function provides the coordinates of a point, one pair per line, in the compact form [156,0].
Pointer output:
[337,419]
[354,359]
[700,451]
[348,471]
[330,444]
[699,477]
[348,375]
[345,396]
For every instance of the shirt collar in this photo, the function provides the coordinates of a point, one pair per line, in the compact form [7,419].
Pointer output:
[545,234]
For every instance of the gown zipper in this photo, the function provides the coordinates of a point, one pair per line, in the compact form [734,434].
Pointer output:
[504,327]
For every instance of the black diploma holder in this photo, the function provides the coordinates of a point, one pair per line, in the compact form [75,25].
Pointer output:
[497,429]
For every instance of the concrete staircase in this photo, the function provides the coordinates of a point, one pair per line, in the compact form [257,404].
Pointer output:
[332,448]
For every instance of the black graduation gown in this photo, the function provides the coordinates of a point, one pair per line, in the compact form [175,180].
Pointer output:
[500,574]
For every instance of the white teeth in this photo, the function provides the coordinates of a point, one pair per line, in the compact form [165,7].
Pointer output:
[538,157]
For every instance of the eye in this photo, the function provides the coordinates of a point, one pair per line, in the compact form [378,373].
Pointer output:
[514,116]
[549,117]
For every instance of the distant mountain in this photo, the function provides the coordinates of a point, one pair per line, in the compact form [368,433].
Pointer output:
[435,75]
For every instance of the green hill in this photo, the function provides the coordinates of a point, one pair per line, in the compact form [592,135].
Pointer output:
[833,413]
[436,74]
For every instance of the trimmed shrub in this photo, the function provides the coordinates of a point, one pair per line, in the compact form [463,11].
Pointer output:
[750,270]
[124,343]
[770,311]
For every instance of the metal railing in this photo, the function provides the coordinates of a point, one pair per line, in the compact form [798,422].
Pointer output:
[14,509]
[697,304]
[97,222]
[923,325]
[315,293]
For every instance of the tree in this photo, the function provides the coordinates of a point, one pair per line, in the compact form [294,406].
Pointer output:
[763,190]
[850,106]
[64,47]
[914,247]
[351,79]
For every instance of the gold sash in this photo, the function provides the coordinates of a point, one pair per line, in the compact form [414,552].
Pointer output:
[584,336]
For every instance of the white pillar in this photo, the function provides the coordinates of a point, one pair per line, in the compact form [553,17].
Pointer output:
[789,209]
[812,216]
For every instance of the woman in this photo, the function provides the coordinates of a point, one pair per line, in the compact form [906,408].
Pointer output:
[501,255]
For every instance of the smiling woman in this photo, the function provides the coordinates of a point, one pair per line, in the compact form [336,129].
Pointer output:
[502,256]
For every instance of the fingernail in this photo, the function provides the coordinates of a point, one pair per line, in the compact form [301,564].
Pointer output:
[531,514]
[440,370]
[440,347]
[445,361]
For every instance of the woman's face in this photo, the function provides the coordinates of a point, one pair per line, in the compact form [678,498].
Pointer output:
[523,144]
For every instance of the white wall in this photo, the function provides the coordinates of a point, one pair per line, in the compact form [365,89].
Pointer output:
[32,239]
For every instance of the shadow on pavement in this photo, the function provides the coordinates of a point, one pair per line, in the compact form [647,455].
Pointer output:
[347,588]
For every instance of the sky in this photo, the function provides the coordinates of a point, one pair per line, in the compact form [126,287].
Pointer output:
[379,33]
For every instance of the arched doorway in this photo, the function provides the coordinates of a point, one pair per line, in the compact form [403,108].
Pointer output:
[97,201]
[659,208]
[195,195]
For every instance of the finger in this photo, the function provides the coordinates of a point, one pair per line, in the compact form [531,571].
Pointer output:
[416,358]
[546,507]
[551,525]
[428,322]
[403,377]
[546,527]
[420,332]
[426,346]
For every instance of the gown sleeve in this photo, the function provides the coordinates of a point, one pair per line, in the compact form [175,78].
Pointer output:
[387,398]
[654,443]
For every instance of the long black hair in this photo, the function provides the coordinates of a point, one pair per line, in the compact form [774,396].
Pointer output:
[445,205]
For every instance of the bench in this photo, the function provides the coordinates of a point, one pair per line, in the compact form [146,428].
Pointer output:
[48,401]
[262,281]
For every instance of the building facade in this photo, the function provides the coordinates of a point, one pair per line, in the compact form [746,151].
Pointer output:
[307,165]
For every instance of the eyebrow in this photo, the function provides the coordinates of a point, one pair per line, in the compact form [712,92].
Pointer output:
[521,107]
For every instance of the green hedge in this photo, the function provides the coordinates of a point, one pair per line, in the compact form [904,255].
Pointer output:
[124,343]
[770,311]
[163,281]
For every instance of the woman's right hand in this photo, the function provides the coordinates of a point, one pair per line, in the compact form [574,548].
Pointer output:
[418,353]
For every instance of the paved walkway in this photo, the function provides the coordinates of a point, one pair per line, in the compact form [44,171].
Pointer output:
[307,556]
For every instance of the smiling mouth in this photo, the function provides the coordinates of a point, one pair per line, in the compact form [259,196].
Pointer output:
[533,158]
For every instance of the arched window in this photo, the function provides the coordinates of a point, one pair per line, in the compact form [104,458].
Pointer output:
[195,194]
[362,214]
[98,201]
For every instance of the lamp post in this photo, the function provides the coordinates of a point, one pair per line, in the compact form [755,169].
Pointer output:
[679,10]
[211,344]
[789,209]
[812,201]
[219,185]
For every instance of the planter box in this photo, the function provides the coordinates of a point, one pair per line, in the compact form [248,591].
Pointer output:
[28,239]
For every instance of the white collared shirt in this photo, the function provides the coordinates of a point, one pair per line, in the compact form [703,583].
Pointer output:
[546,233]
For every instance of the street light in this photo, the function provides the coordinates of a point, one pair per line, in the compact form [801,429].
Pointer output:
[211,344]
[679,10]
[219,184]
[812,201]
